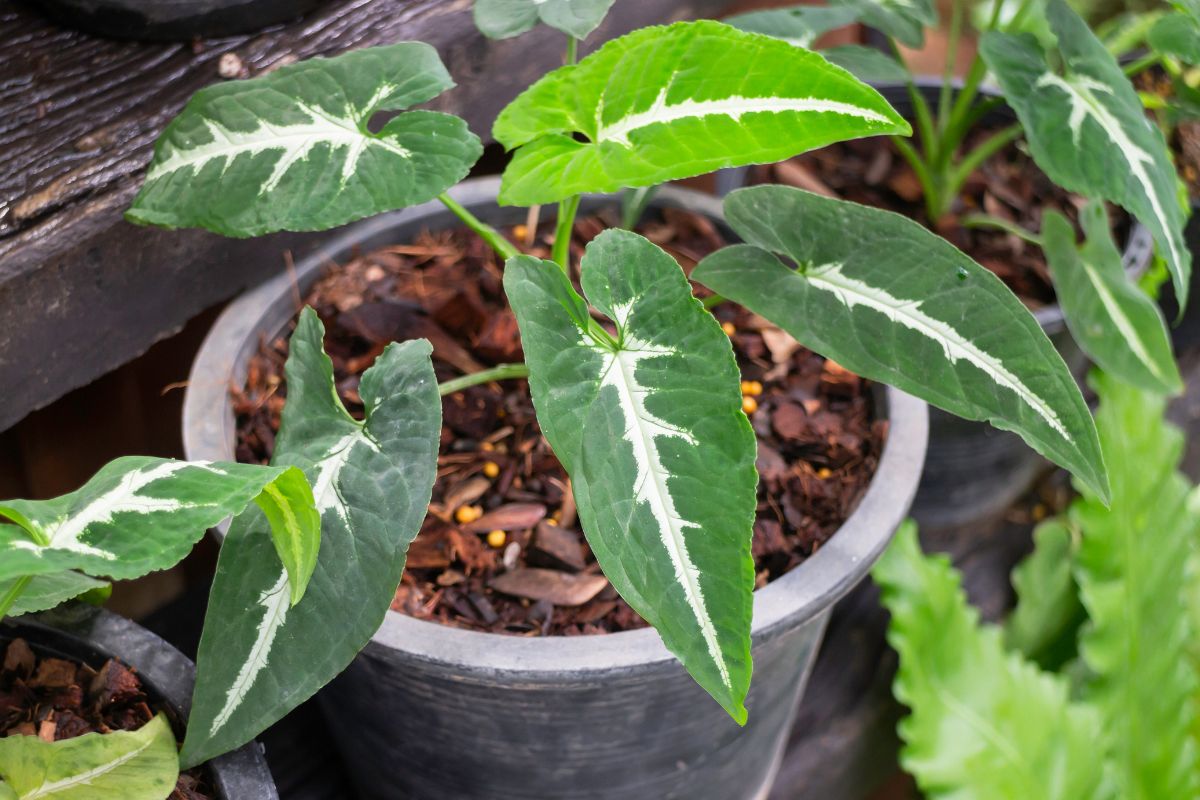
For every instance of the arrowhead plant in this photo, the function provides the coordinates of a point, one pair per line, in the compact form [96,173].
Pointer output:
[634,382]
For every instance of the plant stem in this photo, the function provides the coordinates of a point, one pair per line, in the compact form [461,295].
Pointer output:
[952,46]
[10,597]
[561,253]
[988,221]
[504,248]
[500,372]
[982,152]
[1142,64]
[712,301]
[572,50]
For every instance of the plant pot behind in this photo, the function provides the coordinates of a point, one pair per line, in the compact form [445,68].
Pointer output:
[1186,332]
[173,19]
[974,471]
[89,635]
[431,711]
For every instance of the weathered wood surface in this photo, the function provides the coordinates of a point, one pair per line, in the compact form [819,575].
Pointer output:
[82,291]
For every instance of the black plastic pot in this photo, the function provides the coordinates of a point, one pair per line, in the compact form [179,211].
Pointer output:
[1186,332]
[173,19]
[91,636]
[972,470]
[429,712]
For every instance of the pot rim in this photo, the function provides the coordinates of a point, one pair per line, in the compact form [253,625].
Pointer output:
[805,592]
[87,634]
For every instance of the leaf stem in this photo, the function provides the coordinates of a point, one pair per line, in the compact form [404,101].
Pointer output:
[988,221]
[504,248]
[500,372]
[712,301]
[572,50]
[561,252]
[13,594]
[1134,68]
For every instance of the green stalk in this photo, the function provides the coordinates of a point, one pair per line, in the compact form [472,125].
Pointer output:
[1135,68]
[572,50]
[920,168]
[712,301]
[986,149]
[988,221]
[561,252]
[14,592]
[952,46]
[504,248]
[500,372]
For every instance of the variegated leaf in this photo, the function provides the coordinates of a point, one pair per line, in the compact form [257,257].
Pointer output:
[649,425]
[293,150]
[259,658]
[893,302]
[666,103]
[800,25]
[502,19]
[1114,321]
[904,20]
[867,63]
[121,765]
[140,514]
[1088,131]
[47,591]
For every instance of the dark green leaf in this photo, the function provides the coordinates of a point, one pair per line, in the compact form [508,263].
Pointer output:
[47,591]
[904,20]
[502,19]
[800,25]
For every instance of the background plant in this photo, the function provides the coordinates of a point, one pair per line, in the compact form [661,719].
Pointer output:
[636,386]
[1090,689]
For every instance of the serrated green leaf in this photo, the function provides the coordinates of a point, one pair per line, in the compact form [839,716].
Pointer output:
[502,19]
[1131,571]
[136,515]
[904,20]
[122,765]
[259,658]
[1114,322]
[867,63]
[292,150]
[800,25]
[1087,129]
[47,591]
[651,430]
[889,300]
[1044,625]
[985,724]
[1176,34]
[671,102]
[295,525]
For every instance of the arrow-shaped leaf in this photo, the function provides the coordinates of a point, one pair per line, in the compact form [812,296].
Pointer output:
[1088,131]
[800,25]
[47,591]
[891,301]
[904,20]
[666,103]
[372,481]
[140,514]
[502,19]
[649,425]
[111,766]
[1115,323]
[292,150]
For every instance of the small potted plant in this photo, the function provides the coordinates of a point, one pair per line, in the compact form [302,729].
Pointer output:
[635,386]
[968,177]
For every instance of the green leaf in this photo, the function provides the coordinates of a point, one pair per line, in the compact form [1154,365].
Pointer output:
[292,150]
[1131,571]
[47,591]
[985,723]
[502,19]
[139,515]
[259,658]
[904,20]
[651,430]
[1044,625]
[670,102]
[1176,34]
[295,527]
[867,63]
[122,765]
[891,301]
[1087,129]
[1115,323]
[800,25]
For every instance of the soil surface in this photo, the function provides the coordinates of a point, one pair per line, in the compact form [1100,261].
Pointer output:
[501,548]
[1008,185]
[56,699]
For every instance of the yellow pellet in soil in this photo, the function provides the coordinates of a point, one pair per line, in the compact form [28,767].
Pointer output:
[520,232]
[749,405]
[752,388]
[729,328]
[466,514]
[491,469]
[496,539]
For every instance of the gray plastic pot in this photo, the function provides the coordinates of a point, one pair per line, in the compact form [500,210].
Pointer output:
[173,19]
[91,636]
[430,712]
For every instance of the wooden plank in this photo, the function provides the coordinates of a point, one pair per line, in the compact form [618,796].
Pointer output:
[82,291]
